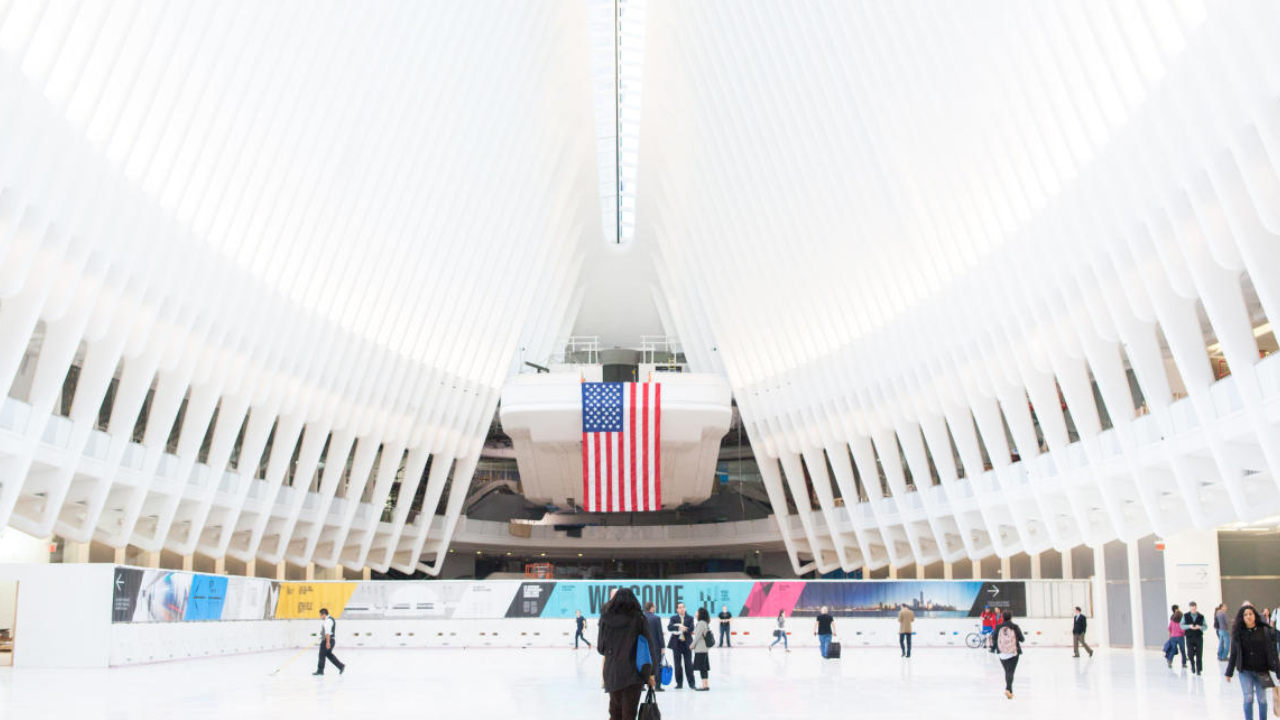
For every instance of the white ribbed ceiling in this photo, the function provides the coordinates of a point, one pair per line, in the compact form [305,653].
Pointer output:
[959,262]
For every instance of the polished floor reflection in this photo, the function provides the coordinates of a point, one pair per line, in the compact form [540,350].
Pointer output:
[746,683]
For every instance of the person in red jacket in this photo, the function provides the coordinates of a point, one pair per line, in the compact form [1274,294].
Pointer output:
[990,619]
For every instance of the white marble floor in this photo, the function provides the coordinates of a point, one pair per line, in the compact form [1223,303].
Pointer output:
[563,684]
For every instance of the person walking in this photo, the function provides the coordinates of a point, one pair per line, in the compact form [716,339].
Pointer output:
[1008,648]
[1253,653]
[1223,627]
[1193,631]
[655,632]
[701,653]
[1177,639]
[780,632]
[621,625]
[726,635]
[1078,626]
[906,619]
[824,626]
[582,629]
[328,629]
[680,626]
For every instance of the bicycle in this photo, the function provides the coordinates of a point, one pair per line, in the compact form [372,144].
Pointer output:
[977,640]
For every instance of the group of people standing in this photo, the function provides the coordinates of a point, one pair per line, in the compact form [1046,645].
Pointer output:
[623,622]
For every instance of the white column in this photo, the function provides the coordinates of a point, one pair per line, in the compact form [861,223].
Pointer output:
[1067,569]
[1135,595]
[189,563]
[919,571]
[1006,569]
[1035,565]
[893,571]
[975,569]
[948,571]
[367,573]
[1101,618]
[220,566]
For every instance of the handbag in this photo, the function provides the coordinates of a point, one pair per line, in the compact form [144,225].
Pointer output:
[668,672]
[709,638]
[649,708]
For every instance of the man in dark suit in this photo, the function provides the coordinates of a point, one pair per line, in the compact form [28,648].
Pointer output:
[1078,627]
[681,628]
[655,639]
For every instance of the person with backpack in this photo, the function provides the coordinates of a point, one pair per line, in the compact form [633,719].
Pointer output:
[582,629]
[328,629]
[1008,648]
[1253,653]
[1177,641]
[621,626]
[700,647]
[780,632]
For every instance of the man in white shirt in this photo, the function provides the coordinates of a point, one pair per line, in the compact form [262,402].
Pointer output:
[328,627]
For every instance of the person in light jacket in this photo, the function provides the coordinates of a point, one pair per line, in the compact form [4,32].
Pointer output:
[906,621]
[780,633]
[701,653]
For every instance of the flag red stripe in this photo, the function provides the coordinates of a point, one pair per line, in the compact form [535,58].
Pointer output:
[586,474]
[644,443]
[595,439]
[657,442]
[622,489]
[632,442]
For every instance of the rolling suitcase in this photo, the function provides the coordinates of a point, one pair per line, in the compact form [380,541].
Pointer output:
[833,650]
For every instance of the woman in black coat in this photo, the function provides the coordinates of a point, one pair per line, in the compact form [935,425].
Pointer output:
[1253,653]
[621,624]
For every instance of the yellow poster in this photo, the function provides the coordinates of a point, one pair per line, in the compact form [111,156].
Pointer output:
[303,600]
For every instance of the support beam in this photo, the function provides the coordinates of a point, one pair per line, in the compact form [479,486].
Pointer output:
[1102,617]
[1135,595]
[1067,569]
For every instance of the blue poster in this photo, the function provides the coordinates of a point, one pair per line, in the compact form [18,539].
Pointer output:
[590,597]
[207,595]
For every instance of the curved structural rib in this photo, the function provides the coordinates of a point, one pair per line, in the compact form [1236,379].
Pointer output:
[264,264]
[961,262]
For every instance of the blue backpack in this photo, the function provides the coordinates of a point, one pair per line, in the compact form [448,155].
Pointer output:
[643,656]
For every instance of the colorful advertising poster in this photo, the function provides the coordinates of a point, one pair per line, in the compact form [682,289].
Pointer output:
[590,597]
[250,599]
[303,600]
[926,598]
[204,602]
[162,596]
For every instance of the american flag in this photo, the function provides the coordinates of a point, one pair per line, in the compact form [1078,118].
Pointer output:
[621,433]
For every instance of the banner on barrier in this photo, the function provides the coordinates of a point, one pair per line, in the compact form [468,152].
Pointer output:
[303,600]
[142,595]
